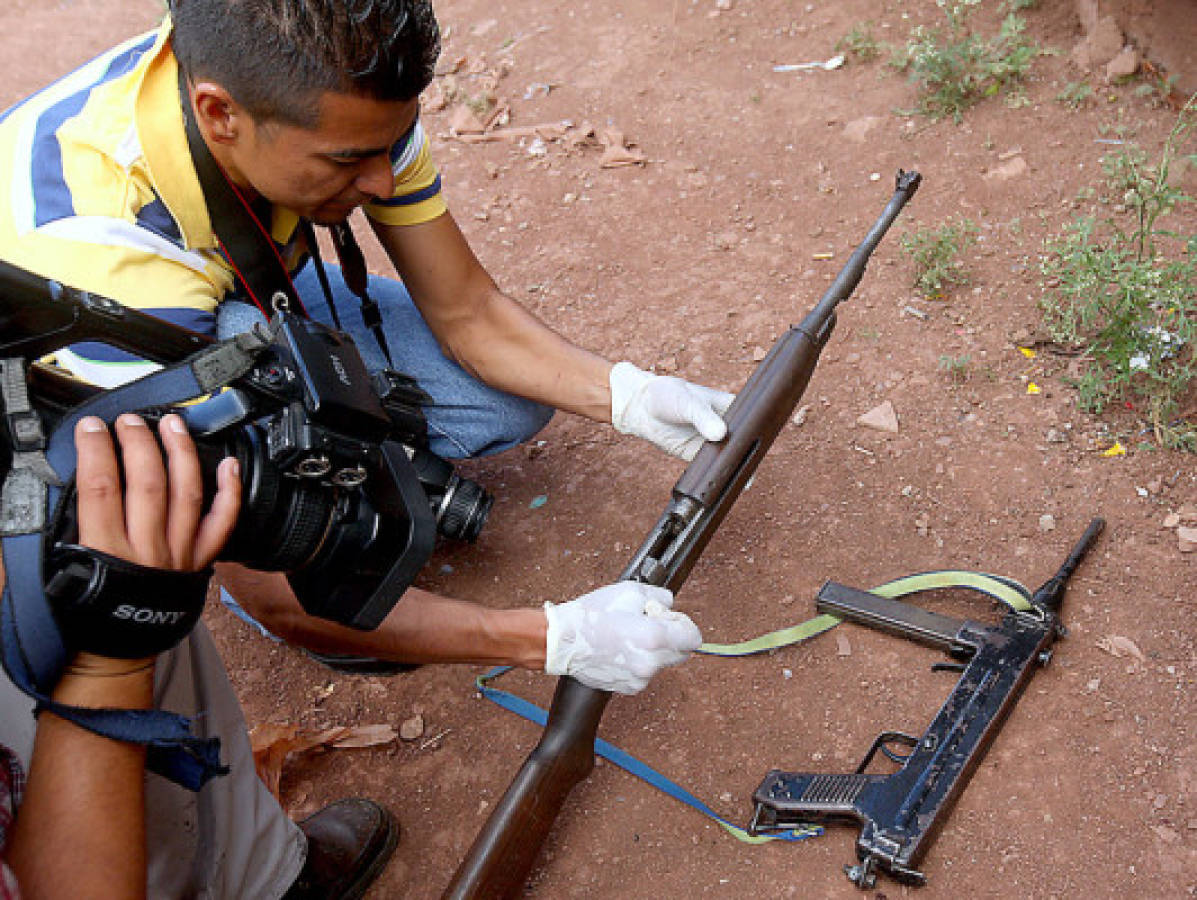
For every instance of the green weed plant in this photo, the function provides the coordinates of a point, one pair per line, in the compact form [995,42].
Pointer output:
[956,367]
[936,252]
[860,44]
[1122,287]
[954,66]
[1075,94]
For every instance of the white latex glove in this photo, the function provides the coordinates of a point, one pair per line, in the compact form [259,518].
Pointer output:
[674,414]
[618,637]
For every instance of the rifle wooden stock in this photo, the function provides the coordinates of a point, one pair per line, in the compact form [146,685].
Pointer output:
[502,856]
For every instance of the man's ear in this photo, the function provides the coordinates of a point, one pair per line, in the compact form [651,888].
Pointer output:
[220,118]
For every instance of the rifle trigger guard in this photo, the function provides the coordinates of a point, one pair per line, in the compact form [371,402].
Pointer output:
[882,742]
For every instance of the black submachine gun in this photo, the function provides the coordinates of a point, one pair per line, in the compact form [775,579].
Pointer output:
[901,813]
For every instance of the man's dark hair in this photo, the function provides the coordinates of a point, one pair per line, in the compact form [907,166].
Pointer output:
[276,57]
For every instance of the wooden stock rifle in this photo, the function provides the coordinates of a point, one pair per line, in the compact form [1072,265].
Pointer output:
[502,856]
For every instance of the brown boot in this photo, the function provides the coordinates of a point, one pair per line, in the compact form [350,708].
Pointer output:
[349,843]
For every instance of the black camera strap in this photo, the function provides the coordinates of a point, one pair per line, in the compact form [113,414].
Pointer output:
[252,252]
[32,648]
[353,270]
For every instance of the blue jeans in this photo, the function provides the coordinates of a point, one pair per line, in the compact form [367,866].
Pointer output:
[467,418]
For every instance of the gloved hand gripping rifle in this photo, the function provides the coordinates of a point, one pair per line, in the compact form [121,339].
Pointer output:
[504,852]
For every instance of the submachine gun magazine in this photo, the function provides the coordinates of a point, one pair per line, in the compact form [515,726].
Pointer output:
[900,813]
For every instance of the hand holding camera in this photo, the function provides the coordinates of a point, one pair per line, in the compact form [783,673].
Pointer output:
[135,583]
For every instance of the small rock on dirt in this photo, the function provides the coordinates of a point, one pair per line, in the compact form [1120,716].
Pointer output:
[1186,539]
[1101,45]
[857,129]
[1011,168]
[1047,522]
[463,121]
[1124,65]
[881,418]
[412,728]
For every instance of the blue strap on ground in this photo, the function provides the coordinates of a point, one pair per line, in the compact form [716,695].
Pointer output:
[629,763]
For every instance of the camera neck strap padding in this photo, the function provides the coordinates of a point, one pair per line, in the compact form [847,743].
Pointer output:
[32,648]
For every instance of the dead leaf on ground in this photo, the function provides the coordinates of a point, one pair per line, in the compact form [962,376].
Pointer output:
[273,743]
[1120,646]
[618,151]
[548,131]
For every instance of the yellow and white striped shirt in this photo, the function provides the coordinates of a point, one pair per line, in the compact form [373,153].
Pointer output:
[98,191]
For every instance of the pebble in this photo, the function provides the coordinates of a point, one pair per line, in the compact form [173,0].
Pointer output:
[412,728]
[1186,539]
[881,418]
[842,646]
[1047,522]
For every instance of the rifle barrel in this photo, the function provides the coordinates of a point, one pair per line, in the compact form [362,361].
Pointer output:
[502,856]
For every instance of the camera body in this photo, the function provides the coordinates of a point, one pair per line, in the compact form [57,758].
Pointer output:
[340,490]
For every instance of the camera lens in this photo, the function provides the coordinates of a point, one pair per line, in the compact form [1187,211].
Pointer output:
[283,520]
[459,505]
[463,509]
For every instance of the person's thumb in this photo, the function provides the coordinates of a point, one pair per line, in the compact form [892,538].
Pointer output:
[704,419]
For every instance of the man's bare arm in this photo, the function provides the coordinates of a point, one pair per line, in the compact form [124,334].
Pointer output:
[82,819]
[421,628]
[487,332]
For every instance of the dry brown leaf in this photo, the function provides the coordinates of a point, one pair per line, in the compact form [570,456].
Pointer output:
[548,131]
[499,115]
[617,152]
[273,743]
[1120,646]
[364,736]
[450,65]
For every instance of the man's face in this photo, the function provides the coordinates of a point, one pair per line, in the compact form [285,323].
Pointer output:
[326,172]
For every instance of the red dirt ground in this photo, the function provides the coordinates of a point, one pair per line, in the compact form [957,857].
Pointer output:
[693,263]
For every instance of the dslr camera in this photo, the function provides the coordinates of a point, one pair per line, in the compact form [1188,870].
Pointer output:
[339,489]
